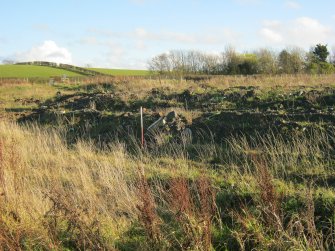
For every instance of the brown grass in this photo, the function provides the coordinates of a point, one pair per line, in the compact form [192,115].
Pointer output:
[269,197]
[147,210]
[2,171]
[34,162]
[79,196]
[207,209]
[179,196]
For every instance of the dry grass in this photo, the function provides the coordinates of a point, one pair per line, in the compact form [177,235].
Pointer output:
[2,173]
[75,196]
[299,154]
[87,198]
[20,97]
[147,209]
[56,196]
[41,173]
[286,81]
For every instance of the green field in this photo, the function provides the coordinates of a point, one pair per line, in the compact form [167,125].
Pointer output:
[32,71]
[121,72]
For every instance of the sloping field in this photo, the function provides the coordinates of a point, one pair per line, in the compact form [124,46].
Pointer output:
[33,71]
[121,72]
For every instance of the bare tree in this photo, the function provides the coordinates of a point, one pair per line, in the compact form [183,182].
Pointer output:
[267,61]
[231,60]
[291,61]
[210,64]
[160,64]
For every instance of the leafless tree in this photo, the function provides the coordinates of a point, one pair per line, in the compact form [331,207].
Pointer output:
[267,61]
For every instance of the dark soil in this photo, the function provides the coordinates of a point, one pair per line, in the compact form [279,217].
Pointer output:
[234,111]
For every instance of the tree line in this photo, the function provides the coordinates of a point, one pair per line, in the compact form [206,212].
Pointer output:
[231,62]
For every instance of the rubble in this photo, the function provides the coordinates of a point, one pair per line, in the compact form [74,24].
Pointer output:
[169,123]
[173,125]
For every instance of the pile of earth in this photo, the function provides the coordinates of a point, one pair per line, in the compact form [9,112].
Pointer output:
[233,111]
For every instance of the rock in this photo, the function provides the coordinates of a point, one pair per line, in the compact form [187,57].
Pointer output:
[186,136]
[170,126]
[171,116]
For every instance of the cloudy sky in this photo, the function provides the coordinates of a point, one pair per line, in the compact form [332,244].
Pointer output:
[127,33]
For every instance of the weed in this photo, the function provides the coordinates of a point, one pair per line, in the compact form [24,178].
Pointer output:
[65,219]
[207,209]
[147,209]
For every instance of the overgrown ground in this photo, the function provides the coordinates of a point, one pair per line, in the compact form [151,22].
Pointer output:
[257,175]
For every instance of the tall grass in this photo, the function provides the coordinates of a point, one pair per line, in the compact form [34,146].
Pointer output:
[42,174]
[55,195]
[301,154]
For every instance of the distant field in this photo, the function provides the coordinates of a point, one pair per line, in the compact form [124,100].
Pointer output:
[35,71]
[32,71]
[121,72]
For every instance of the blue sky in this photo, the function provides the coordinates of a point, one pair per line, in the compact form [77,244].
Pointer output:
[127,33]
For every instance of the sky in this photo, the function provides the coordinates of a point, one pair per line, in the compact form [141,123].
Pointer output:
[128,33]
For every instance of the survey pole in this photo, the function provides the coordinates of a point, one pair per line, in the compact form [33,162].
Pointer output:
[142,128]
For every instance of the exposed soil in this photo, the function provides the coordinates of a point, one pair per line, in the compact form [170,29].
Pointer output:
[235,110]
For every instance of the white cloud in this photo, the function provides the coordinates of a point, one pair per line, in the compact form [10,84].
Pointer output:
[302,32]
[292,5]
[140,32]
[311,30]
[48,51]
[271,35]
[141,45]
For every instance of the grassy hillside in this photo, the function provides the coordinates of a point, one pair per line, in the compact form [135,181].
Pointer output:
[32,71]
[121,72]
[35,71]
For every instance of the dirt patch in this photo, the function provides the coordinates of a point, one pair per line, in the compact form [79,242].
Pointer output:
[238,110]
